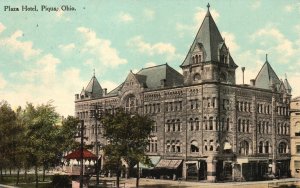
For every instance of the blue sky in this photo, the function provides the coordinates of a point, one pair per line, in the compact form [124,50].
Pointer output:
[51,55]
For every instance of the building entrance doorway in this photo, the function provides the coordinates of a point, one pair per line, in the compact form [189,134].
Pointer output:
[202,170]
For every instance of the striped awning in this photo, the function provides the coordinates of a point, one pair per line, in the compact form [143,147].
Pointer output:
[169,164]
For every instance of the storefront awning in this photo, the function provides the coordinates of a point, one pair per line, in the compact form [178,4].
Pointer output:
[169,164]
[154,160]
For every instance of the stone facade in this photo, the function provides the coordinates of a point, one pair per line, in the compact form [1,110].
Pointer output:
[295,137]
[217,129]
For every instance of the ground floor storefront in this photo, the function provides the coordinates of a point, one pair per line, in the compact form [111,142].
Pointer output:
[222,169]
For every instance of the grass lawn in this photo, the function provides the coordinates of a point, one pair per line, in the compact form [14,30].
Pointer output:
[29,182]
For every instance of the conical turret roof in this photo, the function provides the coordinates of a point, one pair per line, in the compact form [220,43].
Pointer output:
[210,38]
[266,77]
[94,89]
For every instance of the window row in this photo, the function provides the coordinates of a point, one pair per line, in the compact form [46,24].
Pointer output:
[173,125]
[173,106]
[243,106]
[264,108]
[283,129]
[93,129]
[211,146]
[194,104]
[210,102]
[83,115]
[152,108]
[264,127]
[263,147]
[282,110]
[152,146]
[196,59]
[173,146]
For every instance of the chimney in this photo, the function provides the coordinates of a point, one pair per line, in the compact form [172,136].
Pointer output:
[243,69]
[105,92]
[76,96]
[252,82]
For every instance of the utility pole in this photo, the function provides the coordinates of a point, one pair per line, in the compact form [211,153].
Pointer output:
[81,152]
[96,112]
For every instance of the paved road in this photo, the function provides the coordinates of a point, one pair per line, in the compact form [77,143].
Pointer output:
[6,186]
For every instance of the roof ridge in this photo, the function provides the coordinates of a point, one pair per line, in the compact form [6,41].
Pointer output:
[151,67]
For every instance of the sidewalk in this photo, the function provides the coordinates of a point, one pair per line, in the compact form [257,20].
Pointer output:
[157,183]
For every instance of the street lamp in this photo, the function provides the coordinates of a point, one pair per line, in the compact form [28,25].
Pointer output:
[96,112]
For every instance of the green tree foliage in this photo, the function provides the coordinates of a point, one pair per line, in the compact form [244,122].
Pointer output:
[127,136]
[8,135]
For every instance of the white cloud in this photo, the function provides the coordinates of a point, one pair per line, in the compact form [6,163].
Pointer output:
[197,21]
[200,14]
[15,45]
[2,27]
[60,88]
[125,17]
[274,41]
[288,8]
[256,4]
[109,85]
[294,82]
[230,41]
[149,14]
[2,82]
[150,64]
[67,47]
[100,48]
[159,48]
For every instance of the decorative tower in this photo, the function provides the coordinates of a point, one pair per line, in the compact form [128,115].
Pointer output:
[208,58]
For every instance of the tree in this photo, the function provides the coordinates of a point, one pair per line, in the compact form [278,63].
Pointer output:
[41,134]
[7,135]
[127,136]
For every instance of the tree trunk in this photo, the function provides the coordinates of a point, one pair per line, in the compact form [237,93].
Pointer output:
[44,172]
[25,174]
[18,176]
[36,176]
[1,174]
[138,174]
[118,178]
[9,170]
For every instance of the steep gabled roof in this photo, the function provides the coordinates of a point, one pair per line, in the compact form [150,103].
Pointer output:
[152,77]
[94,88]
[209,36]
[287,86]
[266,77]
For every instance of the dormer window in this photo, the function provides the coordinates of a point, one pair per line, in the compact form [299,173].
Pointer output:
[196,58]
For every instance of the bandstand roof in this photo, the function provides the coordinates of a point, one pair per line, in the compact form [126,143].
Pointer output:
[86,155]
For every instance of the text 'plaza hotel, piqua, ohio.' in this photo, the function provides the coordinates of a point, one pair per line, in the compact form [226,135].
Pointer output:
[206,127]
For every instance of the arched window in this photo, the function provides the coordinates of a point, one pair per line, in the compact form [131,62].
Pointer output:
[223,77]
[211,145]
[282,148]
[244,126]
[197,77]
[239,125]
[194,146]
[260,147]
[210,123]
[248,126]
[131,104]
[204,123]
[191,124]
[178,125]
[244,147]
[197,124]
[227,127]
[267,145]
[205,145]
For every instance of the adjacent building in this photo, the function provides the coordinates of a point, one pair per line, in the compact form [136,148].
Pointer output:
[295,137]
[207,127]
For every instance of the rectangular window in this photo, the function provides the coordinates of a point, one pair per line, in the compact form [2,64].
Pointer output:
[298,149]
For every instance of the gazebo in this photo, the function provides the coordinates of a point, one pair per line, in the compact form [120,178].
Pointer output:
[76,155]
